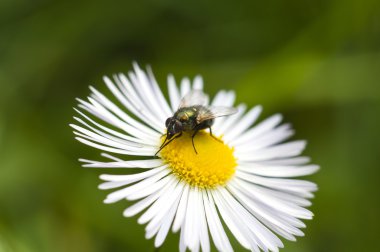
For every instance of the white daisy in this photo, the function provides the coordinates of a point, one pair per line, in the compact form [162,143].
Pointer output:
[242,180]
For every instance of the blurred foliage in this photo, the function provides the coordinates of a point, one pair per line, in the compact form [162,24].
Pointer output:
[317,62]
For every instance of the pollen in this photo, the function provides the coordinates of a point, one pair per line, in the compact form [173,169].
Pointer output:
[213,166]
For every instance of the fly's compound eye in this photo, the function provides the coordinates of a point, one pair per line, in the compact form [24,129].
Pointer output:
[177,126]
[168,121]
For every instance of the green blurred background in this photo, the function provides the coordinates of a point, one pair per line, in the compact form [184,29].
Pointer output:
[317,62]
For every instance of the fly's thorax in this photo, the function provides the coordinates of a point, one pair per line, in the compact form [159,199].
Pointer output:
[188,117]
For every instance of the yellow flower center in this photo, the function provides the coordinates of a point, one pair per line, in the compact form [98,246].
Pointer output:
[212,166]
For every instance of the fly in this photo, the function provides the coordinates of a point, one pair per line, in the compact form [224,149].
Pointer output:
[193,115]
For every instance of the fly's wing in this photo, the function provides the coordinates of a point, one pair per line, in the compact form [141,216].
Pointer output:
[193,98]
[212,112]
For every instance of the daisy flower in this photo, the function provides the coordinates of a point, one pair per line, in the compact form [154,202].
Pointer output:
[241,177]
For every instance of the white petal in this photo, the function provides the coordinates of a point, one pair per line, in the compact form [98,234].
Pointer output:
[292,185]
[115,181]
[265,126]
[164,229]
[282,196]
[158,93]
[198,83]
[160,206]
[161,221]
[279,171]
[266,197]
[142,87]
[131,101]
[139,193]
[269,138]
[146,183]
[195,241]
[182,245]
[174,95]
[189,220]
[237,228]
[141,164]
[246,121]
[219,98]
[168,201]
[111,141]
[268,216]
[98,110]
[215,226]
[142,109]
[263,236]
[144,203]
[180,215]
[145,89]
[117,111]
[101,103]
[223,98]
[203,231]
[185,86]
[289,149]
[141,175]
[286,161]
[110,131]
[228,123]
[141,152]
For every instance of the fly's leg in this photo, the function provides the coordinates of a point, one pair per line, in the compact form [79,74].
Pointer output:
[217,139]
[204,125]
[192,140]
[165,144]
[162,145]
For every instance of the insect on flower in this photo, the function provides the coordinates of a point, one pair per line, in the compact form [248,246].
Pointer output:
[192,116]
[240,178]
